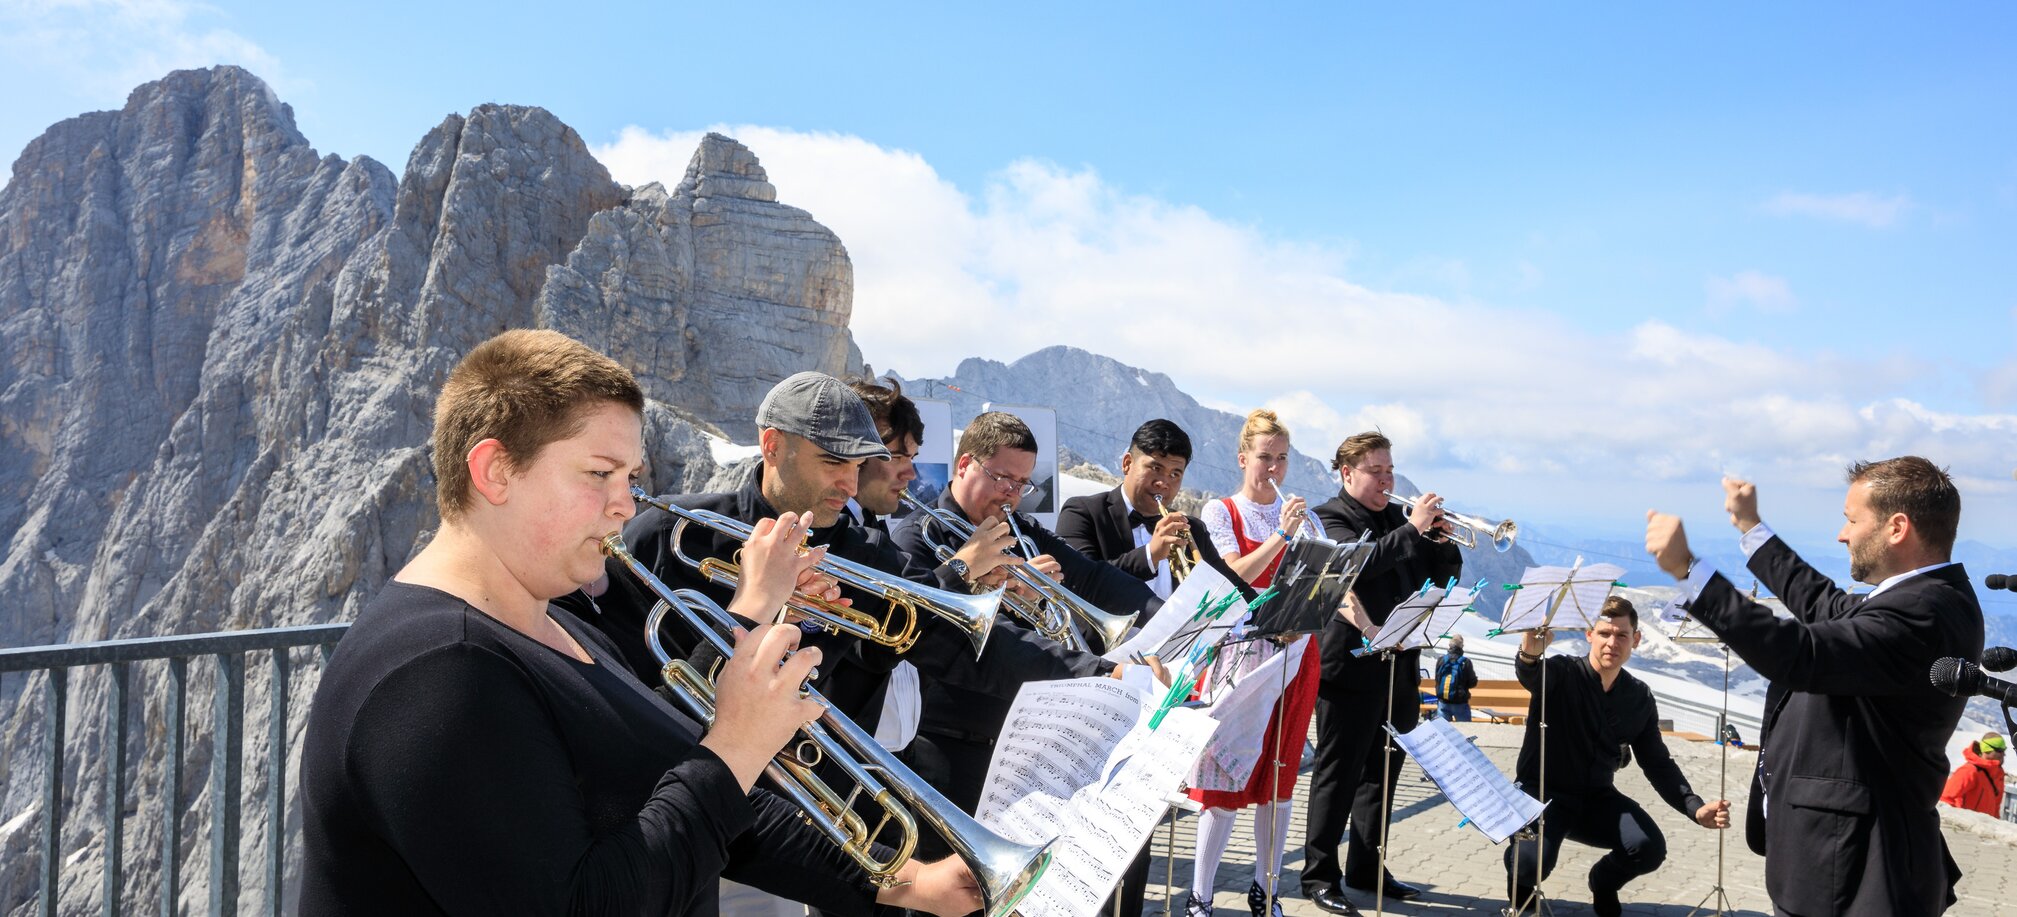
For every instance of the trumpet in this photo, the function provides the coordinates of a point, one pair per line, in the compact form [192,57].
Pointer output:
[1055,607]
[1004,870]
[1310,523]
[898,628]
[1467,528]
[1185,557]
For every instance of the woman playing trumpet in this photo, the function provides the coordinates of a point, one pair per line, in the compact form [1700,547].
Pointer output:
[474,749]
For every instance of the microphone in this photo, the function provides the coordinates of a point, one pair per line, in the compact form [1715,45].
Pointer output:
[1999,581]
[1999,659]
[1961,678]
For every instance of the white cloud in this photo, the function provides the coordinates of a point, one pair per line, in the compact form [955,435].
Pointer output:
[1755,289]
[1042,255]
[107,47]
[1861,207]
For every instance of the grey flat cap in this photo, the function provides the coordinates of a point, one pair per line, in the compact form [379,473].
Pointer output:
[823,409]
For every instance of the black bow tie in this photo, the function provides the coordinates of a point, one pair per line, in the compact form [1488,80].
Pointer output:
[1137,520]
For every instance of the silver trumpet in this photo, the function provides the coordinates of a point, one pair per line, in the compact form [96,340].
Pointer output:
[1467,528]
[898,628]
[1004,870]
[1055,607]
[1310,523]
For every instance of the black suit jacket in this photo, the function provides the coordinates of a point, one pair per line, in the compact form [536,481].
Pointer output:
[1402,560]
[1854,740]
[951,709]
[1097,525]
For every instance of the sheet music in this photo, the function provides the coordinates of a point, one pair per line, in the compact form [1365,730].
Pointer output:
[1403,628]
[1107,791]
[1467,778]
[1244,708]
[1452,607]
[1176,626]
[1559,597]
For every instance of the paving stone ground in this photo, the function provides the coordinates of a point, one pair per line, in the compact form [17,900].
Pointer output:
[1463,872]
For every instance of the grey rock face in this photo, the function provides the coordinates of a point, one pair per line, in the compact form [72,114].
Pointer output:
[1100,401]
[715,286]
[219,353]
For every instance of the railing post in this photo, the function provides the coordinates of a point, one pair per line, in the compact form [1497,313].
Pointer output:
[225,780]
[276,783]
[171,785]
[115,784]
[52,788]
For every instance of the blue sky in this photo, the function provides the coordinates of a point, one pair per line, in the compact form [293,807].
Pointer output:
[1800,217]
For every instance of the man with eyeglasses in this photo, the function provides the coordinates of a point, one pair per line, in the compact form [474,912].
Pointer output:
[997,452]
[1352,698]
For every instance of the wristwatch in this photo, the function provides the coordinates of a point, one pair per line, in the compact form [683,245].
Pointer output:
[959,569]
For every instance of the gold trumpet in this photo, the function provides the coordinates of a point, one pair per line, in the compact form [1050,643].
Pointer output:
[1055,607]
[1185,558]
[1467,528]
[1004,870]
[973,614]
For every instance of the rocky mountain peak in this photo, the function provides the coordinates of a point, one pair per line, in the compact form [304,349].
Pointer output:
[723,167]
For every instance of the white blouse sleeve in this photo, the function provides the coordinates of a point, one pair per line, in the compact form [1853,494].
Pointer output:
[1220,524]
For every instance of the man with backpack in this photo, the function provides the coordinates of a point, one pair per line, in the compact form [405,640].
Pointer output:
[1454,680]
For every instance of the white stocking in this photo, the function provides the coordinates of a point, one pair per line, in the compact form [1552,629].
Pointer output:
[1215,828]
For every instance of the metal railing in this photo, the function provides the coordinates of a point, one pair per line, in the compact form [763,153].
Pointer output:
[229,649]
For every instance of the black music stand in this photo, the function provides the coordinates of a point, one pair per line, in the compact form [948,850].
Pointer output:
[1416,623]
[1542,594]
[1692,631]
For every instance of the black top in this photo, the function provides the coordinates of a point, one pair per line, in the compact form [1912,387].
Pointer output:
[1097,526]
[1402,560]
[1589,732]
[454,765]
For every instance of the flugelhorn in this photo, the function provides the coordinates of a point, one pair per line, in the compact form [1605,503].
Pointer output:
[1004,870]
[1055,607]
[1466,529]
[897,628]
[1185,557]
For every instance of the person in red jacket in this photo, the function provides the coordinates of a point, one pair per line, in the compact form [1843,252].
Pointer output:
[1978,783]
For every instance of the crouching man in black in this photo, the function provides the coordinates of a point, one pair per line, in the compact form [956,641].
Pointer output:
[1598,717]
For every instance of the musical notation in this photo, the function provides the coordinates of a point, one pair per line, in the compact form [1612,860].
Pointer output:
[1079,762]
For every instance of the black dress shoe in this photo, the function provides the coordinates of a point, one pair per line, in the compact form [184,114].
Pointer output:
[1395,889]
[1331,900]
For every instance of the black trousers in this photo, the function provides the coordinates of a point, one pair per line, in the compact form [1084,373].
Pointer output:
[1345,787]
[1605,819]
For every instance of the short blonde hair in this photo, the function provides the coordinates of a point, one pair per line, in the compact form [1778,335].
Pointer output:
[1261,422]
[526,389]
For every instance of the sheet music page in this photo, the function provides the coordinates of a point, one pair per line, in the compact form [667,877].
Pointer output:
[1179,616]
[1593,584]
[1444,618]
[1057,738]
[1101,827]
[1531,603]
[1467,778]
[1401,630]
[1244,709]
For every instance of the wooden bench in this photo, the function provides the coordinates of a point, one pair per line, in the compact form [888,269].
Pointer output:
[1497,700]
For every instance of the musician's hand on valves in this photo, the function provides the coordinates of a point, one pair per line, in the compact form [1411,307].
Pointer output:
[988,548]
[946,888]
[772,566]
[1427,517]
[1048,566]
[1294,513]
[1168,535]
[1714,815]
[1740,500]
[757,702]
[1667,541]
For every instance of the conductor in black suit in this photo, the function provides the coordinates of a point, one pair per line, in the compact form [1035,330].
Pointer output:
[1842,803]
[1122,526]
[1352,699]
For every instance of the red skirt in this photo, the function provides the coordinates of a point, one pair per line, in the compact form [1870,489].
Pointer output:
[1294,719]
